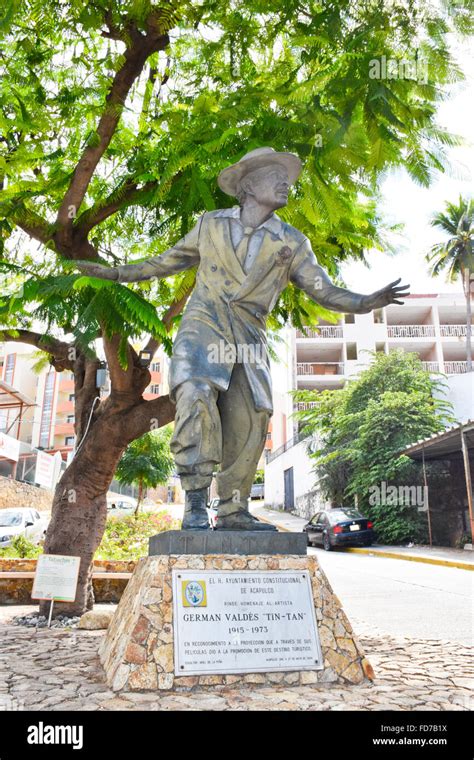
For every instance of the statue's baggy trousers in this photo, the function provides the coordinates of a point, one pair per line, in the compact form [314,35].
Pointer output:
[215,427]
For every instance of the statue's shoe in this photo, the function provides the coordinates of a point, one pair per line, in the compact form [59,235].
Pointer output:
[242,520]
[195,510]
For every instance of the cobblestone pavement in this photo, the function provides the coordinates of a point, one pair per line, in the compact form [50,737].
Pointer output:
[60,670]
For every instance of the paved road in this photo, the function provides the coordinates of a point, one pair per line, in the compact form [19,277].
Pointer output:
[402,598]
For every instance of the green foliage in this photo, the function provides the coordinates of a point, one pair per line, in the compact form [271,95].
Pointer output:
[124,538]
[232,78]
[259,477]
[147,461]
[21,547]
[127,537]
[363,428]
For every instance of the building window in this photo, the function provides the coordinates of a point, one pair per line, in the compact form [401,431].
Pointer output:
[70,419]
[71,397]
[269,436]
[45,425]
[155,367]
[349,319]
[351,352]
[69,440]
[155,389]
[378,317]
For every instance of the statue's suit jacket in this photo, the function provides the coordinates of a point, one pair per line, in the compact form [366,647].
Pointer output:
[228,307]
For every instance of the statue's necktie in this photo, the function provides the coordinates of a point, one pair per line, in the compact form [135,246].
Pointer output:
[243,246]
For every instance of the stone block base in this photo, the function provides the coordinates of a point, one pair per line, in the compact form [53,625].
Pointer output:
[138,650]
[227,542]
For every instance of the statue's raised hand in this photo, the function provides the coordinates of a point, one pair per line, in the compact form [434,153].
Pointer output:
[91,269]
[389,294]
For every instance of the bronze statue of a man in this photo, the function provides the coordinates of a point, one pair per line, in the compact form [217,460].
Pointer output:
[220,371]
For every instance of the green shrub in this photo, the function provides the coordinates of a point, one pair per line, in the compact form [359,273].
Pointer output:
[124,538]
[21,548]
[127,537]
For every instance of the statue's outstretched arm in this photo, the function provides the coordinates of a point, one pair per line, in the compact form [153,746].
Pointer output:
[183,255]
[307,274]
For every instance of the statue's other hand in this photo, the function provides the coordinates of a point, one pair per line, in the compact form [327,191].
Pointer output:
[391,293]
[92,269]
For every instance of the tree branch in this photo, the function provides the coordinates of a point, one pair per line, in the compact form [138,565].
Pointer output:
[62,353]
[139,48]
[128,192]
[124,382]
[32,223]
[148,415]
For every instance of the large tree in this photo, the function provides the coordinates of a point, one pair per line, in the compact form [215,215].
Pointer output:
[115,118]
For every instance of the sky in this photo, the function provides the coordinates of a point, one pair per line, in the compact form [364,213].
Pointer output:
[405,202]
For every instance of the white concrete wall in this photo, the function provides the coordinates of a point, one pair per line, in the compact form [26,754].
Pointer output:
[460,392]
[303,477]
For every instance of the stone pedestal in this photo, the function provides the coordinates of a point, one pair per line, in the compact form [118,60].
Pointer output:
[138,650]
[247,542]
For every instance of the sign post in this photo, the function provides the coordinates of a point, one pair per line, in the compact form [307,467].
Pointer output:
[56,579]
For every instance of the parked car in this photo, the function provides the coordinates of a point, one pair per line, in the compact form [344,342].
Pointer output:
[341,526]
[21,521]
[118,508]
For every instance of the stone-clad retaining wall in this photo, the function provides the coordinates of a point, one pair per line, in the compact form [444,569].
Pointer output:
[18,590]
[137,652]
[16,494]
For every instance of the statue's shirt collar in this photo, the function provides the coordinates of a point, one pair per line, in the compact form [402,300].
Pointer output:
[273,224]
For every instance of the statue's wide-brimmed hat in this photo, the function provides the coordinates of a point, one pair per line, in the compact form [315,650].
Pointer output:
[229,178]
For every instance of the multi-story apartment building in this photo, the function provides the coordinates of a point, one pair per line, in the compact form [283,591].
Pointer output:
[17,391]
[47,397]
[54,418]
[431,325]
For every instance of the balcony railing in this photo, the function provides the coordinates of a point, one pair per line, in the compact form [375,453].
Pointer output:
[288,445]
[320,368]
[303,406]
[455,368]
[324,331]
[410,331]
[431,366]
[453,331]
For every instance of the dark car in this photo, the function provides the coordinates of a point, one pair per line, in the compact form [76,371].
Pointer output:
[341,526]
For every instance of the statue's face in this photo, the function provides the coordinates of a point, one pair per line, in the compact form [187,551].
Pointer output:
[269,186]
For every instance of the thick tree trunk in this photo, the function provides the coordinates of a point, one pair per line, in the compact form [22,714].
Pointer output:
[79,509]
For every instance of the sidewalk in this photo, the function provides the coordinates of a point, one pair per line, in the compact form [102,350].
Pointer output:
[436,555]
[62,671]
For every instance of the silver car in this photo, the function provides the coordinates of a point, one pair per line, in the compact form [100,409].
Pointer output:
[21,521]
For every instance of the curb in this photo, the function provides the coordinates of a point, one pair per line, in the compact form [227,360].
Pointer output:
[413,558]
[391,555]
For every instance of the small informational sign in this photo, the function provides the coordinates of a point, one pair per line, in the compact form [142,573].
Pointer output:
[56,578]
[44,472]
[244,622]
[9,447]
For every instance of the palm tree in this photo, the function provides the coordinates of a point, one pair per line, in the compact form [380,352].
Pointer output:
[456,254]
